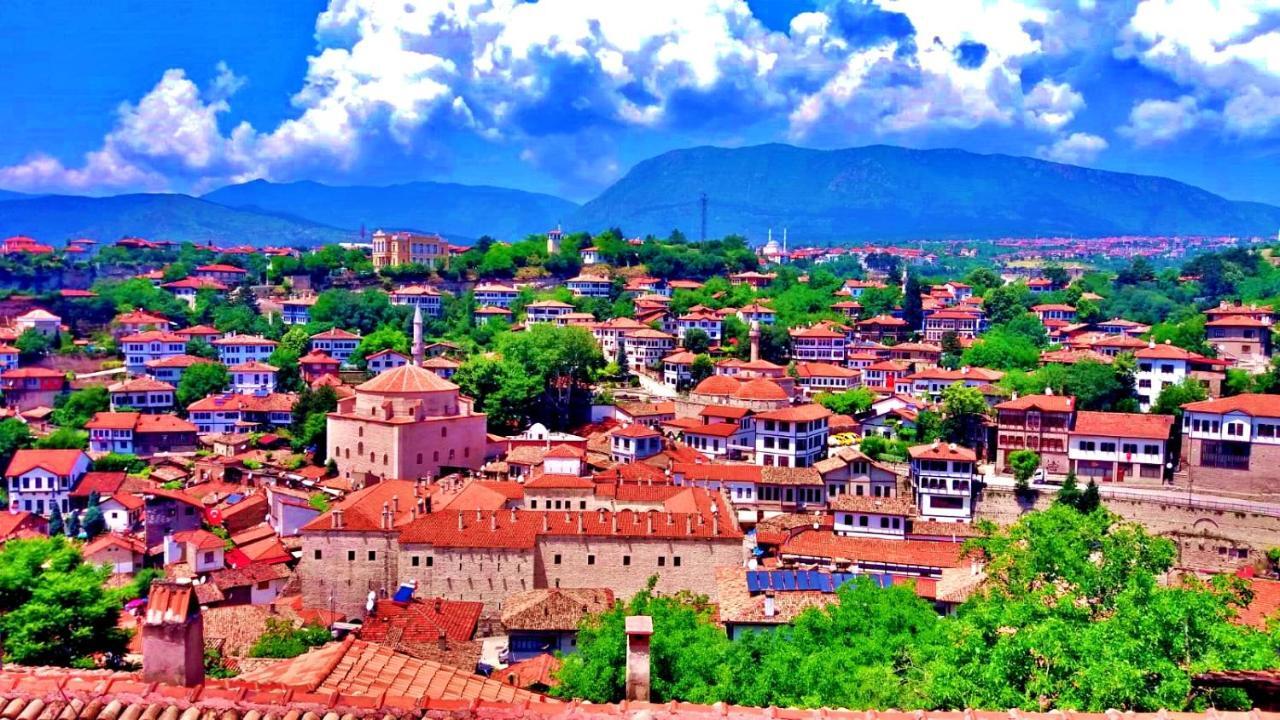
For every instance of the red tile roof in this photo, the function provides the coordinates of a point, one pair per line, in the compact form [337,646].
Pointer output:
[375,672]
[553,609]
[58,462]
[1046,403]
[406,379]
[421,621]
[942,451]
[362,510]
[915,553]
[1123,425]
[1265,603]
[799,413]
[1249,404]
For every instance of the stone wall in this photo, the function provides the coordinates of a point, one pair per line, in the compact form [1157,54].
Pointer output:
[341,577]
[625,564]
[1207,538]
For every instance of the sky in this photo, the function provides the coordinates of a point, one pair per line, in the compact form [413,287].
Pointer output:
[564,96]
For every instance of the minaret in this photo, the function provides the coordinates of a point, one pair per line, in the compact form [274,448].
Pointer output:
[417,335]
[754,335]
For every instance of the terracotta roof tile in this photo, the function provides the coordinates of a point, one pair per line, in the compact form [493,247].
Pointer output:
[1123,425]
[58,462]
[559,609]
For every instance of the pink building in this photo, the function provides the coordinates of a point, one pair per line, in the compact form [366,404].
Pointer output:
[406,423]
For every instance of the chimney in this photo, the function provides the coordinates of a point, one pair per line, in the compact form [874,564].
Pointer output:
[493,521]
[546,522]
[442,640]
[639,631]
[459,520]
[395,504]
[615,523]
[769,608]
[581,524]
[336,518]
[173,636]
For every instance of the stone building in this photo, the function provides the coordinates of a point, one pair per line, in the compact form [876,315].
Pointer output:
[407,422]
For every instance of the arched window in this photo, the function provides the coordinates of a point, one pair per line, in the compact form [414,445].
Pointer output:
[359,448]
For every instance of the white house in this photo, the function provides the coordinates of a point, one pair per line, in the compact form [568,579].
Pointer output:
[422,296]
[944,481]
[40,480]
[593,286]
[42,321]
[1160,366]
[336,343]
[150,346]
[634,442]
[706,321]
[236,349]
[143,394]
[546,311]
[296,311]
[495,295]
[646,348]
[866,516]
[288,510]
[1113,447]
[253,378]
[792,437]
[385,360]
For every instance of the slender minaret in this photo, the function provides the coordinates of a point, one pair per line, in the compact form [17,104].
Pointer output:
[754,336]
[417,335]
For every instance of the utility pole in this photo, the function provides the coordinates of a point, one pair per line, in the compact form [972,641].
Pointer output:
[702,201]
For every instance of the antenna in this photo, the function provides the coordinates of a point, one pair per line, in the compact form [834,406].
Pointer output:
[702,202]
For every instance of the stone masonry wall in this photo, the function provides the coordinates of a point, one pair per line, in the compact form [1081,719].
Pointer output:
[1207,539]
[343,574]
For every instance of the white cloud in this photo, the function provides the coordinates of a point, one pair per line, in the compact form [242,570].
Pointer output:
[396,82]
[1051,105]
[1075,149]
[1225,52]
[1152,122]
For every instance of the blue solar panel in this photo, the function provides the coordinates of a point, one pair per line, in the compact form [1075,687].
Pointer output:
[824,583]
[754,583]
[885,580]
[802,580]
[234,498]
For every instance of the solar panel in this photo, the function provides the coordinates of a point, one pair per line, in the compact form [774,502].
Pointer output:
[789,581]
[754,583]
[885,580]
[802,580]
[824,582]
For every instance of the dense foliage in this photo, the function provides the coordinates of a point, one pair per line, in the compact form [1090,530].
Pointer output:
[1073,614]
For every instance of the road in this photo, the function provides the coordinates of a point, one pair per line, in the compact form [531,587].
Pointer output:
[1172,496]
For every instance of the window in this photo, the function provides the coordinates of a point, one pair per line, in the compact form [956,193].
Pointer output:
[208,557]
[430,561]
[555,560]
[591,559]
[626,560]
[1151,449]
[415,561]
[317,555]
[675,561]
[662,561]
[863,521]
[1235,429]
[351,556]
[1108,447]
[373,555]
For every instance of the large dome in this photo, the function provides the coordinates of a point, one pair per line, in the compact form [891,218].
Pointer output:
[717,385]
[761,389]
[405,380]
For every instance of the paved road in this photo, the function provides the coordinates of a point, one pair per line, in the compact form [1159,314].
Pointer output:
[101,373]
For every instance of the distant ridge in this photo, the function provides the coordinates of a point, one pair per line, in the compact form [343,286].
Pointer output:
[456,211]
[885,192]
[57,218]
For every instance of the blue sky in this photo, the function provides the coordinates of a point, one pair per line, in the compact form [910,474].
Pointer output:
[563,96]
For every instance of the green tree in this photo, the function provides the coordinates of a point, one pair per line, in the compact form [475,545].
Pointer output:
[54,608]
[32,345]
[75,409]
[55,521]
[200,381]
[700,369]
[14,435]
[963,410]
[912,304]
[94,522]
[1069,493]
[1024,464]
[202,349]
[849,402]
[281,639]
[1005,302]
[1074,614]
[384,338]
[117,462]
[685,655]
[1002,350]
[863,651]
[696,341]
[64,439]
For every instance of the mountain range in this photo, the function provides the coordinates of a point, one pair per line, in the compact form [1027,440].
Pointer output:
[820,196]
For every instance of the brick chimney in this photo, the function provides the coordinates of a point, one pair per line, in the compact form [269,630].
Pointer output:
[173,636]
[639,631]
